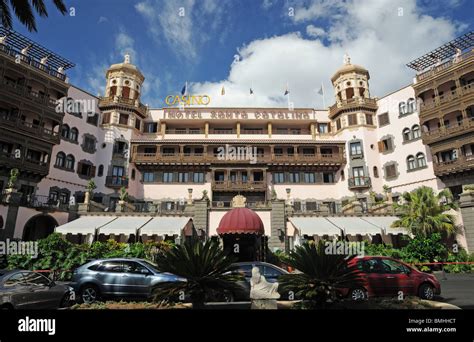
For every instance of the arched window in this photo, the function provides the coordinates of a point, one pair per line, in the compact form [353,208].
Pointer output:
[100,172]
[376,172]
[65,131]
[411,105]
[402,108]
[406,134]
[73,135]
[415,131]
[411,164]
[60,158]
[69,162]
[421,160]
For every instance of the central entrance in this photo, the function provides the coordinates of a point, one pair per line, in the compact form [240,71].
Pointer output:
[241,231]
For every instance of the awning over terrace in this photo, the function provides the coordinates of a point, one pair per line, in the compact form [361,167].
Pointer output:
[85,225]
[367,225]
[127,225]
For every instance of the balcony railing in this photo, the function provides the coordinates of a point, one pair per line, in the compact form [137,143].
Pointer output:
[238,185]
[352,103]
[446,98]
[359,182]
[334,158]
[7,50]
[447,131]
[463,163]
[118,100]
[25,92]
[116,181]
[444,66]
[251,204]
[34,129]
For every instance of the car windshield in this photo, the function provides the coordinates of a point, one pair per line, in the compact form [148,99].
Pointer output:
[150,265]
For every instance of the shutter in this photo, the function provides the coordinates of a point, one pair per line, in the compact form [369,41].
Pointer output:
[79,167]
[381,146]
[92,171]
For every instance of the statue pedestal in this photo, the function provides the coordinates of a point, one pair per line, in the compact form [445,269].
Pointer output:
[264,304]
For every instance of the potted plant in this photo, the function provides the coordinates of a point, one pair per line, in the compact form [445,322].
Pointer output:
[89,190]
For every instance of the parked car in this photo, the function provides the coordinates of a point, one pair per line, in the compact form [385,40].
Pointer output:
[118,278]
[31,290]
[269,271]
[385,276]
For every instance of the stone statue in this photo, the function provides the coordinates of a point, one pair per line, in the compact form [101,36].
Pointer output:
[457,56]
[260,288]
[347,59]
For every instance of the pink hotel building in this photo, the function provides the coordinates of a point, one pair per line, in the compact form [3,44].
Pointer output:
[307,173]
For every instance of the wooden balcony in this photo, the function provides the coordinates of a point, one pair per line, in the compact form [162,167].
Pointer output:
[446,101]
[353,104]
[29,128]
[461,164]
[445,132]
[445,67]
[359,183]
[228,185]
[210,158]
[112,102]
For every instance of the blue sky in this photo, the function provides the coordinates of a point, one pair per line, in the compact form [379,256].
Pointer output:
[277,42]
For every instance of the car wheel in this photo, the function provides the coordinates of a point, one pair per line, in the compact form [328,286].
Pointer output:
[89,294]
[66,301]
[229,297]
[358,294]
[426,291]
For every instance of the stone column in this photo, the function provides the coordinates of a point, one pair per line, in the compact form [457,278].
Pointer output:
[201,216]
[466,204]
[278,224]
[238,129]
[206,129]
[269,129]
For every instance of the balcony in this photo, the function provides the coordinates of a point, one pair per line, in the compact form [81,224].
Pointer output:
[359,182]
[12,53]
[248,204]
[352,104]
[203,158]
[461,164]
[23,92]
[450,131]
[445,67]
[36,131]
[112,102]
[443,101]
[116,181]
[239,185]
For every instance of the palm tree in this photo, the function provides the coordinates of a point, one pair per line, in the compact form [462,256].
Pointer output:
[23,10]
[322,274]
[206,269]
[423,212]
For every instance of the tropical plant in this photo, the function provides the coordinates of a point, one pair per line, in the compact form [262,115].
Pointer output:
[12,178]
[91,186]
[205,267]
[423,212]
[322,274]
[123,194]
[204,195]
[23,10]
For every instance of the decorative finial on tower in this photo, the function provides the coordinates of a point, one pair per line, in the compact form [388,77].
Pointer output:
[3,39]
[347,59]
[127,58]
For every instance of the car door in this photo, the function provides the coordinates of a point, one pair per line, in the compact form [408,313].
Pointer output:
[271,274]
[374,277]
[396,278]
[21,296]
[136,279]
[110,277]
[39,290]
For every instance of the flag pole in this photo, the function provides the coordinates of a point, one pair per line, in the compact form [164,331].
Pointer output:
[288,90]
[324,95]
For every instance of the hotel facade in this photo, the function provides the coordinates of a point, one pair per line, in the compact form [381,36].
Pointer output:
[306,173]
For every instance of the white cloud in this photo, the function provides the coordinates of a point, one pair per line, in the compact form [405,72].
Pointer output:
[125,44]
[102,19]
[182,25]
[315,32]
[369,30]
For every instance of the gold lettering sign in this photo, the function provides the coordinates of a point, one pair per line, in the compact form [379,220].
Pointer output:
[236,114]
[187,100]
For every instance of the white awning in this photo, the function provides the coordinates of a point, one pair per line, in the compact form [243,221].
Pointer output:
[84,224]
[385,223]
[165,226]
[355,225]
[124,225]
[314,226]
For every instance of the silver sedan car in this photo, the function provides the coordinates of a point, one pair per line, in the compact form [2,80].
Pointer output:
[119,278]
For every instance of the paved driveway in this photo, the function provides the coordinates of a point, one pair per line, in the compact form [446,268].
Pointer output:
[457,289]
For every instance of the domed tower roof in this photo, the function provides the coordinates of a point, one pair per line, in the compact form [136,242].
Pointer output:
[241,221]
[126,66]
[348,67]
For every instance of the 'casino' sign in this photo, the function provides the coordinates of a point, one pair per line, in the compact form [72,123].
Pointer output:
[187,100]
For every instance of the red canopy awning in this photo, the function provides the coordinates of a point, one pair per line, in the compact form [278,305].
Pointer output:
[241,221]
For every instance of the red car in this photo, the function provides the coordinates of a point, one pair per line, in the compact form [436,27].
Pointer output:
[385,276]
